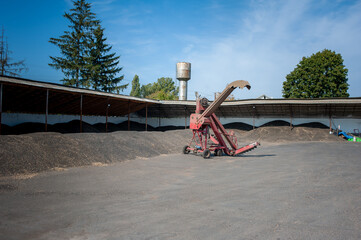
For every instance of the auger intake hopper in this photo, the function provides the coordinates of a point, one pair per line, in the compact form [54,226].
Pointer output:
[209,135]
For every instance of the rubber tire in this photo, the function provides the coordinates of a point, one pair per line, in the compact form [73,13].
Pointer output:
[185,150]
[206,153]
[219,152]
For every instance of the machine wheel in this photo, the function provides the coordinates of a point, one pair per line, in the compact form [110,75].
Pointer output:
[206,153]
[219,152]
[185,149]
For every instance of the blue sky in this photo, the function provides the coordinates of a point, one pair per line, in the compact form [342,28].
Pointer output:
[257,41]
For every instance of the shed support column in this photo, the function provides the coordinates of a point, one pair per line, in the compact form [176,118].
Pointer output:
[254,110]
[159,116]
[81,112]
[128,115]
[185,117]
[330,124]
[291,122]
[1,103]
[46,110]
[146,117]
[106,116]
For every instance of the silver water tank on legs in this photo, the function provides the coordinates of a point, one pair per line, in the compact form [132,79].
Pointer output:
[183,75]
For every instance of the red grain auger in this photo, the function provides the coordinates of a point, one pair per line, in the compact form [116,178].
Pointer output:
[204,120]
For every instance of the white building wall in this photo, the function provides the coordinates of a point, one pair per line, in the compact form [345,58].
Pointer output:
[12,119]
[346,124]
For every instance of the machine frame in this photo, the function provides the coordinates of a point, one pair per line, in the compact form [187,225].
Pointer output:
[204,120]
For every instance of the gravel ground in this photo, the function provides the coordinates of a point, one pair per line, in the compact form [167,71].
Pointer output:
[304,190]
[37,152]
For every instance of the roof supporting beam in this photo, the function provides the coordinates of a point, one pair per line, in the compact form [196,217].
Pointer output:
[146,117]
[186,115]
[46,110]
[106,116]
[291,115]
[128,115]
[81,113]
[1,103]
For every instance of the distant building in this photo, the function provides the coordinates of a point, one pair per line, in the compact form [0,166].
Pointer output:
[264,97]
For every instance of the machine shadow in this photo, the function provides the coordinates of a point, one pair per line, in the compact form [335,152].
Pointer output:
[256,155]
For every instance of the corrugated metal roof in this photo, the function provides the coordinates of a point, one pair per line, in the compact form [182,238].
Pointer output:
[305,108]
[27,96]
[59,87]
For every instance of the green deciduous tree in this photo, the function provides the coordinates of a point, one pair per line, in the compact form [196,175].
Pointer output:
[163,89]
[7,66]
[135,92]
[319,76]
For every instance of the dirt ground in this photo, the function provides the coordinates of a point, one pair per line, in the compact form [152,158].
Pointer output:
[40,151]
[300,190]
[301,183]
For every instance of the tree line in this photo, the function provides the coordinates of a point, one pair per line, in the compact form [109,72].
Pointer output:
[163,89]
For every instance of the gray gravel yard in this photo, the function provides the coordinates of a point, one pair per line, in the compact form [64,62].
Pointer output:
[305,190]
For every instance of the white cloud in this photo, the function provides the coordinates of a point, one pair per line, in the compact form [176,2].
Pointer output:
[269,42]
[261,44]
[188,48]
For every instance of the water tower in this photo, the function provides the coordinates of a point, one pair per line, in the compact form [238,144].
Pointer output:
[183,75]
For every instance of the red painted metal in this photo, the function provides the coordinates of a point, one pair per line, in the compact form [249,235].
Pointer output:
[205,119]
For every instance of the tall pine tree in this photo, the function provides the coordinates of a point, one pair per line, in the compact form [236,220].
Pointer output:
[73,44]
[101,67]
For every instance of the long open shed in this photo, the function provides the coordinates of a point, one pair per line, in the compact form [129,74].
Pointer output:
[19,95]
[297,108]
[26,96]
